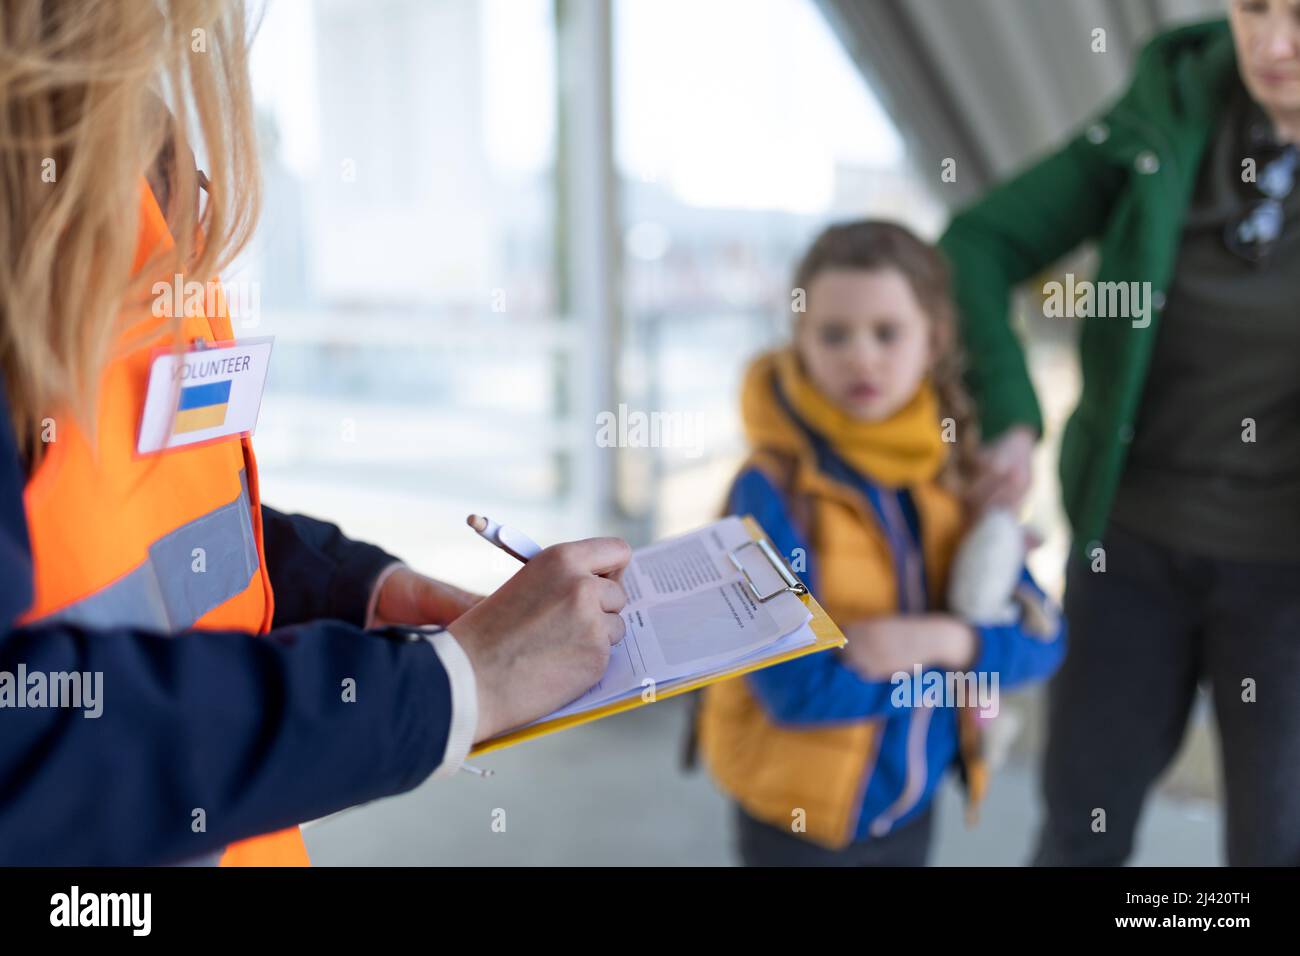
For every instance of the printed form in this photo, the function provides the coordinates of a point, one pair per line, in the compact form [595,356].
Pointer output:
[690,612]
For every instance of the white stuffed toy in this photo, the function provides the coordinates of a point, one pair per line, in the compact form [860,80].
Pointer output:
[984,586]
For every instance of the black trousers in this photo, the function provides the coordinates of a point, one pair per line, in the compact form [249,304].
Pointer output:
[1143,635]
[761,844]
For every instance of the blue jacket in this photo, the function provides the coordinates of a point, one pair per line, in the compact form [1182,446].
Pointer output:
[228,722]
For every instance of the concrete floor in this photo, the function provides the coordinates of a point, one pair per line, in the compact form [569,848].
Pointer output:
[610,793]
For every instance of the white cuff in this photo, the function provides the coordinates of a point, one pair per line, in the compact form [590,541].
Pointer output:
[464,702]
[373,606]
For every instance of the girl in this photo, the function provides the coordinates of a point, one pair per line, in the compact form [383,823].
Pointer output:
[829,760]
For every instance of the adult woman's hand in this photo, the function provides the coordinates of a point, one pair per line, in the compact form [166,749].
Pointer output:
[408,597]
[543,637]
[1005,470]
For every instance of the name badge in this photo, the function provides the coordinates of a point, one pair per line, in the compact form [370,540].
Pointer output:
[204,394]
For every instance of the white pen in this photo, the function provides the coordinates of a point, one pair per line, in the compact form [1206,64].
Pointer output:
[514,543]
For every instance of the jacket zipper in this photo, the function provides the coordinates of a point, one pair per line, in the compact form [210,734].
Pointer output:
[912,598]
[917,774]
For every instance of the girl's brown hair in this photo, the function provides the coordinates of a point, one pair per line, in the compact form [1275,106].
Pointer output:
[873,245]
[95,95]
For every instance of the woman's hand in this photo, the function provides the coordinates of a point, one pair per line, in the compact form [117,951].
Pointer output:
[1005,470]
[543,637]
[880,647]
[407,597]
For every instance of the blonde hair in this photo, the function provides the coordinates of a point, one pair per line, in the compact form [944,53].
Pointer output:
[82,118]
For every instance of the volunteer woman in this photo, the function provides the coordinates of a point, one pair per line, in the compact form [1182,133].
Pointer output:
[1181,466]
[242,692]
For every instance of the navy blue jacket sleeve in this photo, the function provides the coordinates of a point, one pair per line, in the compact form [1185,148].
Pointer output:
[817,688]
[316,571]
[252,730]
[1016,655]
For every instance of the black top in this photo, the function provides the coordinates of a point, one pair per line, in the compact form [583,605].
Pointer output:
[1227,355]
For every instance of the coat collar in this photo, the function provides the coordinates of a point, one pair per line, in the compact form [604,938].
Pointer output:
[1181,86]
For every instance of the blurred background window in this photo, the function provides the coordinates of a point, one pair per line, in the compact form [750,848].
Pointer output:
[405,266]
[743,129]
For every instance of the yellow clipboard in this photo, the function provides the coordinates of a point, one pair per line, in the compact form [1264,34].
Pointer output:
[827,636]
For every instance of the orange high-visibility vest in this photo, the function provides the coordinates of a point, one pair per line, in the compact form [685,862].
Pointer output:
[112,533]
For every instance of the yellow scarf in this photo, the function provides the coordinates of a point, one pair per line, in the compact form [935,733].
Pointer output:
[905,449]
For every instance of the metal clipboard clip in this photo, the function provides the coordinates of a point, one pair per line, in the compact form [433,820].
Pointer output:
[791,583]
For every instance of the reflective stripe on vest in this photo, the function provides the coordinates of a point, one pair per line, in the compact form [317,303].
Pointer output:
[210,859]
[167,592]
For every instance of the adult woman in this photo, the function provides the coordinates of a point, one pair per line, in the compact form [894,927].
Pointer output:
[242,692]
[1181,466]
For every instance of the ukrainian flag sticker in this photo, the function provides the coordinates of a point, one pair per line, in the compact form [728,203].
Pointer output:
[202,406]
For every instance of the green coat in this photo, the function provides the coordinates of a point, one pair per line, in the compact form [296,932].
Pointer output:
[1126,180]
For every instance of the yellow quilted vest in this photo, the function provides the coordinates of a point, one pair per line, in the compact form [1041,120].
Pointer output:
[773,770]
